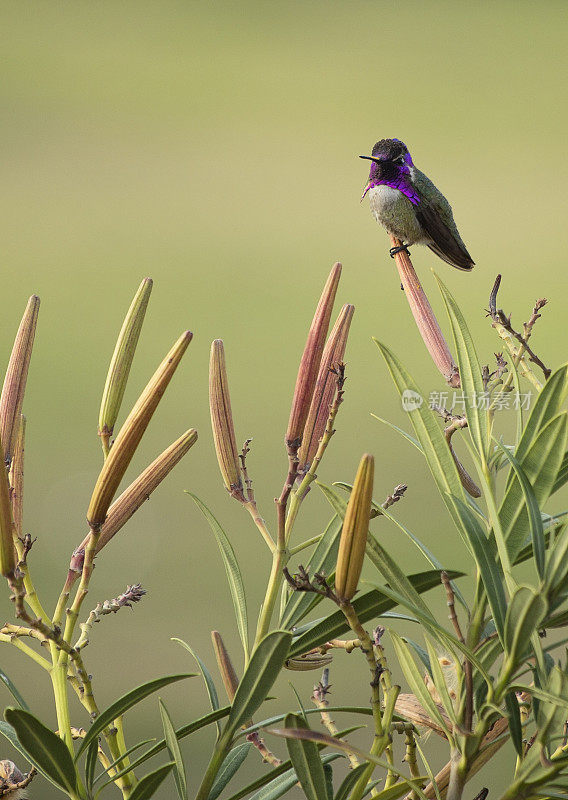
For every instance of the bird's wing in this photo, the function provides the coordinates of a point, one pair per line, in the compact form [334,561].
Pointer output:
[446,241]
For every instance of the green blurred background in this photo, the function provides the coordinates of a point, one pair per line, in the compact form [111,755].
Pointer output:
[213,146]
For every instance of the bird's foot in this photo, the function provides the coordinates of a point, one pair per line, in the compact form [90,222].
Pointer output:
[394,250]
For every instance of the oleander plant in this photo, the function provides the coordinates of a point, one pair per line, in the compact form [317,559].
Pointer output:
[493,673]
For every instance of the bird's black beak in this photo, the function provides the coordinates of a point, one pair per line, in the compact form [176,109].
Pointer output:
[368,186]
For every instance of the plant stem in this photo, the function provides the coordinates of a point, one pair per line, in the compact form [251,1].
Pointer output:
[299,495]
[381,739]
[280,558]
[308,543]
[59,682]
[213,767]
[29,651]
[73,612]
[458,776]
[86,695]
[260,524]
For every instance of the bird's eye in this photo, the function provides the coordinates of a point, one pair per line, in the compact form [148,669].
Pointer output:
[399,160]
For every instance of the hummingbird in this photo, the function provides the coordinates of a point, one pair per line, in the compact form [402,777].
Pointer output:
[410,207]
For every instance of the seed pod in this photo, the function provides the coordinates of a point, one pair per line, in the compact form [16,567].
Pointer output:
[119,369]
[7,528]
[222,422]
[136,494]
[354,533]
[226,669]
[17,477]
[14,387]
[310,361]
[324,392]
[129,436]
[425,318]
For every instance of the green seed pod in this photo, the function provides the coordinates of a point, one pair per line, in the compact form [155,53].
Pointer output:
[130,434]
[354,533]
[7,527]
[119,369]
[222,422]
[137,493]
[14,387]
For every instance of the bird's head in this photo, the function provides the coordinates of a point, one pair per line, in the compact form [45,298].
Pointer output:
[391,162]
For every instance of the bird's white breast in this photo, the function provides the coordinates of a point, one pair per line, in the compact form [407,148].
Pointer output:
[383,198]
[394,211]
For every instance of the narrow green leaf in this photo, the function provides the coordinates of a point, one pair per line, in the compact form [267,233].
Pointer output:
[233,571]
[91,761]
[421,653]
[525,614]
[556,701]
[365,711]
[10,734]
[368,605]
[233,762]
[349,781]
[9,684]
[209,683]
[562,476]
[439,632]
[122,705]
[534,515]
[440,683]
[547,406]
[174,751]
[328,772]
[118,760]
[181,733]
[44,748]
[428,432]
[277,782]
[322,738]
[551,713]
[263,668]
[514,721]
[305,759]
[557,566]
[415,680]
[403,433]
[147,787]
[490,569]
[470,374]
[540,464]
[393,792]
[322,561]
[428,770]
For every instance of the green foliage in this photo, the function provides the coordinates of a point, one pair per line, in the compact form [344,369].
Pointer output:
[232,569]
[464,677]
[150,783]
[470,374]
[233,762]
[13,690]
[125,702]
[206,675]
[265,664]
[46,751]
[306,761]
[175,752]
